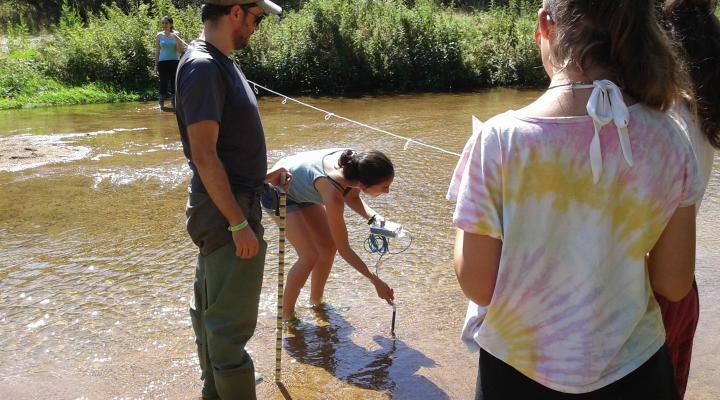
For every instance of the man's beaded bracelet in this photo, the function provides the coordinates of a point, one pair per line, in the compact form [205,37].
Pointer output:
[238,227]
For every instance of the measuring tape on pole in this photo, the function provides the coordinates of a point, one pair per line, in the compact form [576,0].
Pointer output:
[281,278]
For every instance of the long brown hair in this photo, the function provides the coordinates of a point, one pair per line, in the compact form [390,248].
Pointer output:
[696,30]
[624,38]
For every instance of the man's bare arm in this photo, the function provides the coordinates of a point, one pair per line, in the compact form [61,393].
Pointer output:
[203,138]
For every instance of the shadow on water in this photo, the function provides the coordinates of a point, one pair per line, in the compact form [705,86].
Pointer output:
[392,368]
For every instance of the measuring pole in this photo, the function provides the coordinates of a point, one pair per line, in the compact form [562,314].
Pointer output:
[281,278]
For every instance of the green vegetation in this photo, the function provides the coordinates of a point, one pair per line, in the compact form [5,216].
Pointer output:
[341,46]
[318,47]
[35,73]
[39,14]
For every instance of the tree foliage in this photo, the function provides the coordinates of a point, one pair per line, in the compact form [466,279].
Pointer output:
[39,14]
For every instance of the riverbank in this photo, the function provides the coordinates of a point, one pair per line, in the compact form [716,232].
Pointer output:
[325,47]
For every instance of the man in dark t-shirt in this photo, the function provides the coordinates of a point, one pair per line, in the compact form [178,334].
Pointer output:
[224,142]
[224,96]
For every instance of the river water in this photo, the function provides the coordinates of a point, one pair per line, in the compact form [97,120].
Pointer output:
[96,268]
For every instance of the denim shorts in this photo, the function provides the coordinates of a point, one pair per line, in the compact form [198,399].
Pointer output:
[270,201]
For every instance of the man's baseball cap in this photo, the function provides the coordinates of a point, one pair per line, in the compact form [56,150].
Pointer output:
[268,6]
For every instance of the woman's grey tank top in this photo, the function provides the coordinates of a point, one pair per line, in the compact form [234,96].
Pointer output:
[306,168]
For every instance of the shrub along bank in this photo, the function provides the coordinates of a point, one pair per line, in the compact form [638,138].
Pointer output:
[332,47]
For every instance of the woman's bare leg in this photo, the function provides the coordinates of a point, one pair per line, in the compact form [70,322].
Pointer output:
[325,249]
[296,228]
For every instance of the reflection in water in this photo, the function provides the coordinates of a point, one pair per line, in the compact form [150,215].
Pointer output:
[391,368]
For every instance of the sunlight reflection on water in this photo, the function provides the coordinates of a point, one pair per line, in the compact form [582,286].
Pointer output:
[97,267]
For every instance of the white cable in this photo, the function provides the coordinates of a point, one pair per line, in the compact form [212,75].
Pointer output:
[329,115]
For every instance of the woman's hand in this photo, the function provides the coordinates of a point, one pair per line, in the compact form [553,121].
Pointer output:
[273,178]
[384,291]
[376,219]
[379,220]
[180,45]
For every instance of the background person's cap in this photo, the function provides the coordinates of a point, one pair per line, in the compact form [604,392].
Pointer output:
[268,6]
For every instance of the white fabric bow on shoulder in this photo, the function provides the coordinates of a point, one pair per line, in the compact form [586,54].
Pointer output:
[606,104]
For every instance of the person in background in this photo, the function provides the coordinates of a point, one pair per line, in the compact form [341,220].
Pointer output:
[696,31]
[324,182]
[572,210]
[224,142]
[168,47]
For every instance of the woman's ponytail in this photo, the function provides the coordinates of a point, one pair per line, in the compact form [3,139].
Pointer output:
[367,167]
[349,164]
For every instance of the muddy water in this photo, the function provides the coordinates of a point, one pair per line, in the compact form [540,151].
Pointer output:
[96,268]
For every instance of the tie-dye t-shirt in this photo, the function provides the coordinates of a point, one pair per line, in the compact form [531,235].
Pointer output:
[573,308]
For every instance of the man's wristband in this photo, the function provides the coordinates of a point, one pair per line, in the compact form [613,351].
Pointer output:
[372,219]
[238,227]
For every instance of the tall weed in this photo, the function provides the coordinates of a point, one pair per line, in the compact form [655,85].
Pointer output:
[340,46]
[113,47]
[116,47]
[22,67]
[318,46]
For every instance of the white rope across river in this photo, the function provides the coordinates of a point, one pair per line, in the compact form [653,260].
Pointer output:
[329,115]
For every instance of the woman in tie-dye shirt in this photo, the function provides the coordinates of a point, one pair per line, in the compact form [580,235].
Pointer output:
[572,210]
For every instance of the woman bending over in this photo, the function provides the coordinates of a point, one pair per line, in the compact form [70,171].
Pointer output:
[324,181]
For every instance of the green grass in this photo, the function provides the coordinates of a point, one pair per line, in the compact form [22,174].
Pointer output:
[65,95]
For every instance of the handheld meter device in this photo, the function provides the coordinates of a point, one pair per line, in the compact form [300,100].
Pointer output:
[390,229]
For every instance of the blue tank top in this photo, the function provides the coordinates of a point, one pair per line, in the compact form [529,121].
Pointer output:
[306,168]
[168,49]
